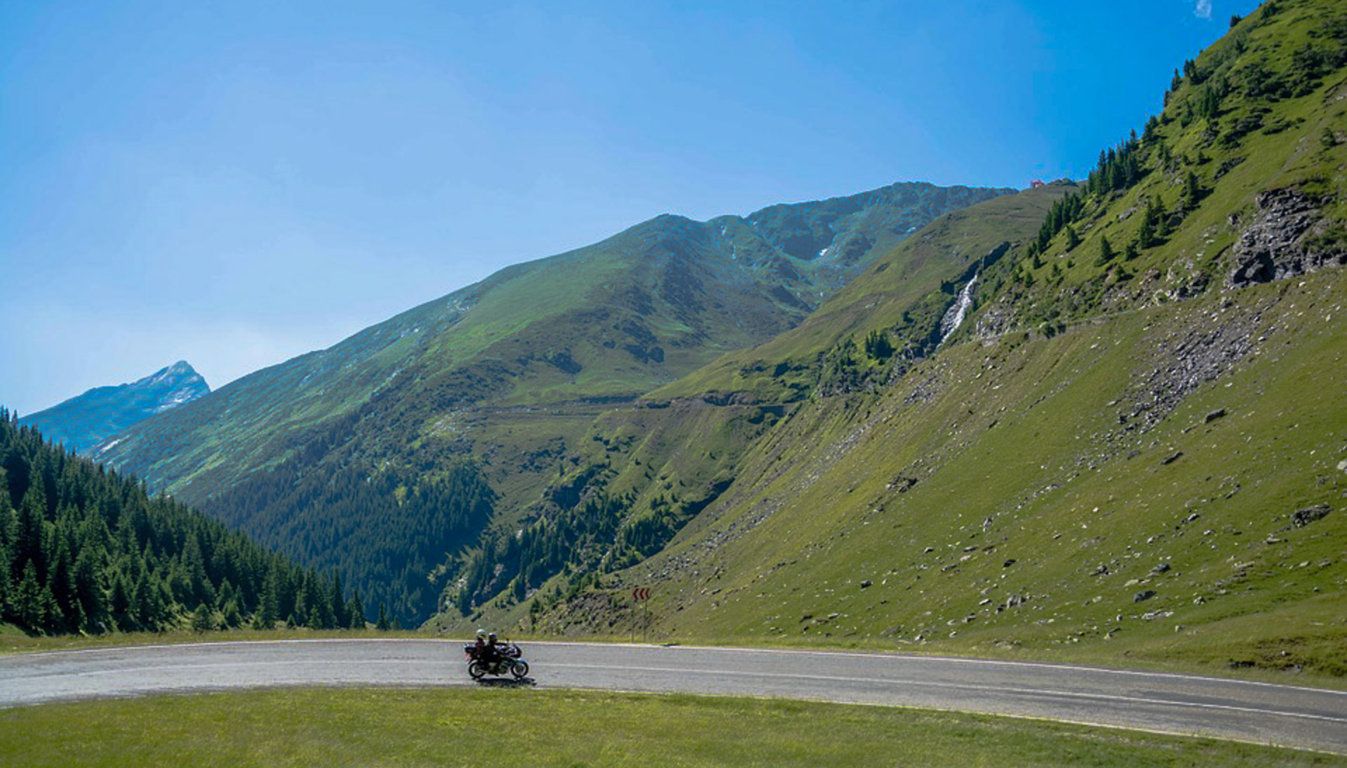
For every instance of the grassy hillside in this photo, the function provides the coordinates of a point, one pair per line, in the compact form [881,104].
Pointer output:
[646,469]
[992,502]
[781,368]
[1133,451]
[385,455]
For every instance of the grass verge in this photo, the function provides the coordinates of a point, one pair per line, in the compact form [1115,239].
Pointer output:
[413,727]
[14,641]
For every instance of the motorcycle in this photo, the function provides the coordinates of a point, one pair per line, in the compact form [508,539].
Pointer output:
[508,660]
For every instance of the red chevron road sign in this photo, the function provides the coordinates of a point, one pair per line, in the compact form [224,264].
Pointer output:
[640,593]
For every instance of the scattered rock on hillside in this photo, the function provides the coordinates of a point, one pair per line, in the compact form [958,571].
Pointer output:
[1173,457]
[1143,595]
[1161,568]
[1214,415]
[1284,239]
[1184,358]
[901,484]
[1304,517]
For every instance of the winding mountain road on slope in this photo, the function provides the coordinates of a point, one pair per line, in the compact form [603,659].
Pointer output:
[1283,715]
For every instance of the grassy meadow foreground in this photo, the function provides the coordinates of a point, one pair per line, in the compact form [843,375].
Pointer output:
[525,727]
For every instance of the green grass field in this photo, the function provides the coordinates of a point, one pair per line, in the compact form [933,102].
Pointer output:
[484,727]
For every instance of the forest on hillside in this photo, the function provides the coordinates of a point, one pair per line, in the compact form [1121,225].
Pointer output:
[86,550]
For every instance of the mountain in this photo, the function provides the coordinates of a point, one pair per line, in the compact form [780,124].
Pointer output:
[1093,422]
[388,454]
[82,422]
[85,550]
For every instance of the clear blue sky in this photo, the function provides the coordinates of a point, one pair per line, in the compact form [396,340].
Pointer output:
[240,184]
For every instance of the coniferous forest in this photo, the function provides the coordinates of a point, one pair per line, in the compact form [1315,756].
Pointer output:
[83,549]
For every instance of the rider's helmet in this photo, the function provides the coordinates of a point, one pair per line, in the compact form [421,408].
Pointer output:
[491,638]
[481,634]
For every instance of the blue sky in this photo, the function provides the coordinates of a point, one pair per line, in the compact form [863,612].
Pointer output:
[240,184]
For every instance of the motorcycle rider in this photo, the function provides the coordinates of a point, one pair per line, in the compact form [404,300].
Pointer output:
[491,651]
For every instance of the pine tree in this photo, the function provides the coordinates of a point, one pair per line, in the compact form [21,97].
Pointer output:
[355,611]
[340,617]
[202,620]
[312,608]
[1072,239]
[231,616]
[89,593]
[1147,236]
[1106,253]
[61,583]
[877,346]
[383,624]
[51,613]
[31,525]
[201,590]
[29,608]
[119,603]
[225,594]
[6,588]
[9,519]
[142,602]
[1192,191]
[267,613]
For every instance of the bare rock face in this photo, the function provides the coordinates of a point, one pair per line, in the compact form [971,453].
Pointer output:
[1284,240]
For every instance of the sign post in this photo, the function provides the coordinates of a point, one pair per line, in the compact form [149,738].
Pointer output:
[642,595]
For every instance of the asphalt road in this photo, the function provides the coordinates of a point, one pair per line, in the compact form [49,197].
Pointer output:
[1277,714]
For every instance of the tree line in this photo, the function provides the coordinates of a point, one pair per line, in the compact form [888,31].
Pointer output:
[386,532]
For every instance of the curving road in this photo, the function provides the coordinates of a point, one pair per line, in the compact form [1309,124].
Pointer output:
[1277,714]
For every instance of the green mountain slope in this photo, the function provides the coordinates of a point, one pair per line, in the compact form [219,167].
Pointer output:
[1132,449]
[890,290]
[384,455]
[82,422]
[648,468]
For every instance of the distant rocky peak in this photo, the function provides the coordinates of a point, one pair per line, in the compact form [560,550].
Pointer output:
[83,422]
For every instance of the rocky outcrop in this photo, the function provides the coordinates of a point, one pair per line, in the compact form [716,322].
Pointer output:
[1286,238]
[1303,517]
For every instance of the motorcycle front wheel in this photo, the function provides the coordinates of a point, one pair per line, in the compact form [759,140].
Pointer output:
[476,670]
[520,669]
